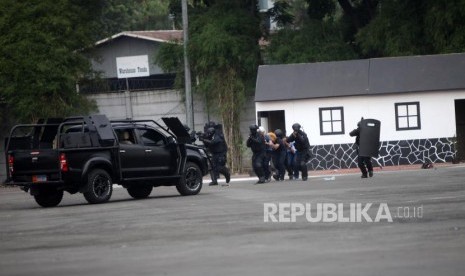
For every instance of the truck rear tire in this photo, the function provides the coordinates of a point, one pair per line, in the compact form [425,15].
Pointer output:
[191,183]
[49,197]
[140,191]
[99,187]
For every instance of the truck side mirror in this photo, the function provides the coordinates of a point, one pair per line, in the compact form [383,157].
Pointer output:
[171,140]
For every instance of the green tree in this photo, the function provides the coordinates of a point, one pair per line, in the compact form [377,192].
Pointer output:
[319,9]
[355,15]
[280,13]
[345,29]
[170,57]
[224,56]
[314,42]
[153,15]
[318,36]
[122,15]
[39,61]
[415,27]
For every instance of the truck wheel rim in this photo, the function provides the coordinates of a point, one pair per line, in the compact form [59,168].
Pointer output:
[192,179]
[101,185]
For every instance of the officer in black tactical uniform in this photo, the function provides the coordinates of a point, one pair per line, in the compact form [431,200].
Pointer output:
[364,162]
[204,135]
[268,153]
[192,134]
[216,145]
[256,142]
[302,145]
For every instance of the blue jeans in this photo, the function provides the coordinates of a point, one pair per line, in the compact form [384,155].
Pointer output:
[292,170]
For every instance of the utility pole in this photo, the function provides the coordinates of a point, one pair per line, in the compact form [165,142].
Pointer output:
[187,70]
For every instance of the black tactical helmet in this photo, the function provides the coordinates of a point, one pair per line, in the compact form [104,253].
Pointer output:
[278,133]
[253,127]
[218,127]
[296,127]
[208,125]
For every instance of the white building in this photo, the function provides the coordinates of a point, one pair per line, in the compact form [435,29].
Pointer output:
[419,100]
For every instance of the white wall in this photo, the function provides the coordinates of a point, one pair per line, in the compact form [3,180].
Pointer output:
[437,115]
[156,104]
[149,105]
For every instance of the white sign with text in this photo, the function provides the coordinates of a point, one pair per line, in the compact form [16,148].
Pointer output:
[133,66]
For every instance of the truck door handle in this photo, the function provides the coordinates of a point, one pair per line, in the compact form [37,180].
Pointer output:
[122,151]
[148,150]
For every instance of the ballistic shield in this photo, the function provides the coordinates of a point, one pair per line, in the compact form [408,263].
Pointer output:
[369,137]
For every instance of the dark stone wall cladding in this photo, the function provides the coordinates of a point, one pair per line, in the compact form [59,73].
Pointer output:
[391,153]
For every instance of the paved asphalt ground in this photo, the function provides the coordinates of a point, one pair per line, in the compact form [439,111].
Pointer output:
[222,231]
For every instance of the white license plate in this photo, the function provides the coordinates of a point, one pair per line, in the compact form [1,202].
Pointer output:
[39,178]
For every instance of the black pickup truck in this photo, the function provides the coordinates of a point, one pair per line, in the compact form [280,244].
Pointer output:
[89,154]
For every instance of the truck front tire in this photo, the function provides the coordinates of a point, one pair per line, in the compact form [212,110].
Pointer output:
[191,183]
[48,197]
[99,187]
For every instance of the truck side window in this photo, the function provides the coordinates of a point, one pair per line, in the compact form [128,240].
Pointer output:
[151,137]
[125,136]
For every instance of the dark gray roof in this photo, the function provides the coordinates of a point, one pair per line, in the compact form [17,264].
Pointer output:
[360,77]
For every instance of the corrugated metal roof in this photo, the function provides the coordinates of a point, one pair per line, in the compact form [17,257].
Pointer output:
[159,36]
[360,77]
